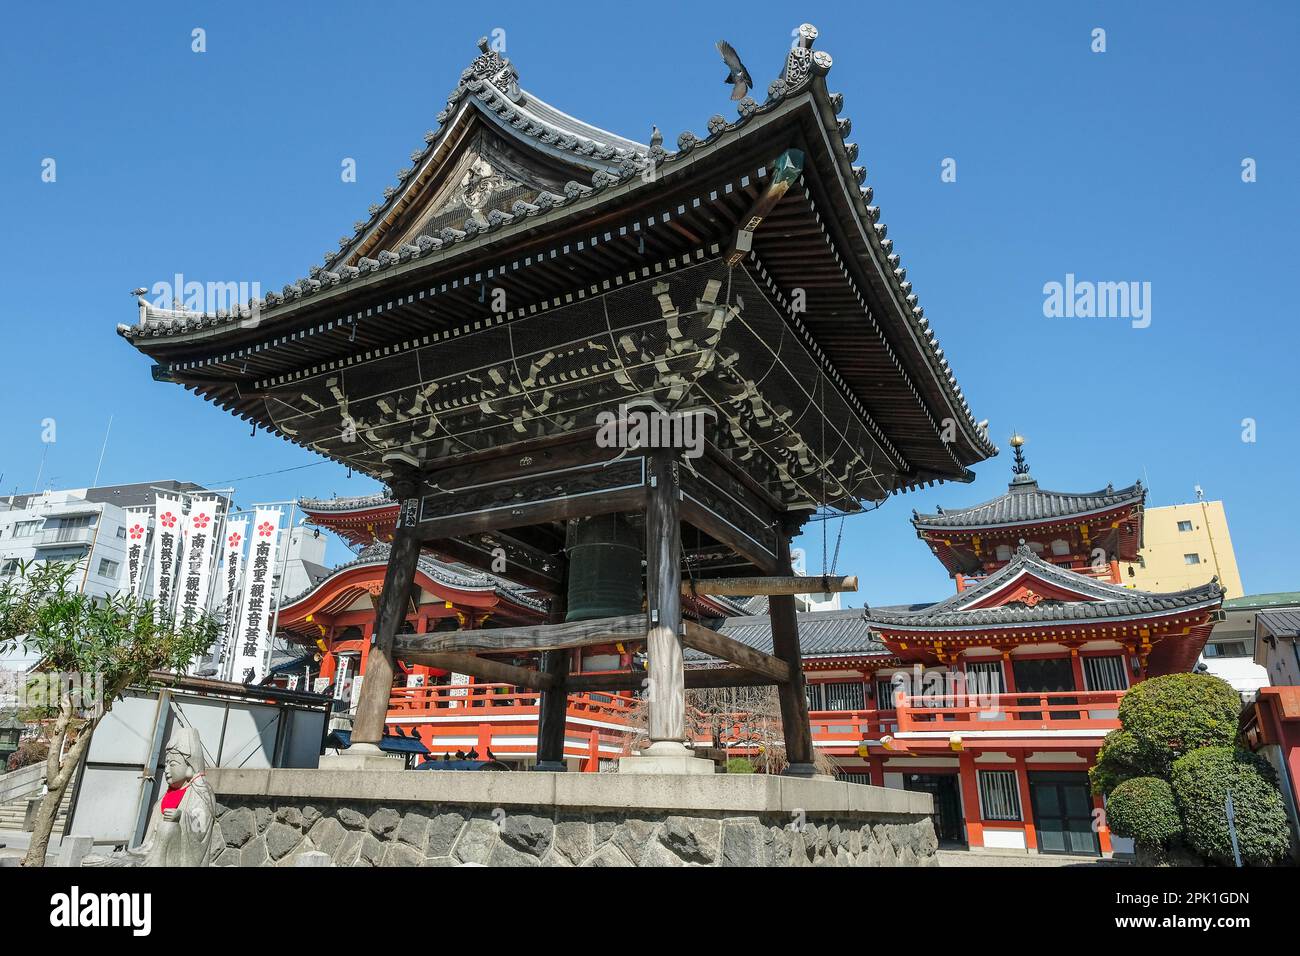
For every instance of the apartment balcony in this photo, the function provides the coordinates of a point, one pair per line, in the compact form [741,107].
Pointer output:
[64,537]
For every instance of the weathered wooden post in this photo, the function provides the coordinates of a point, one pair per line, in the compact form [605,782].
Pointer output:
[785,645]
[666,687]
[390,611]
[553,708]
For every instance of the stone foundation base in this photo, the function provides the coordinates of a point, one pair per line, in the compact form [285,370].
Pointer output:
[451,818]
[666,758]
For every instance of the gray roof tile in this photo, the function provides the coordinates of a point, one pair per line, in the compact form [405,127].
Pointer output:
[1100,600]
[1025,502]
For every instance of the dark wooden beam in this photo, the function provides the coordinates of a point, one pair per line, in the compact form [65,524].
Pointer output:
[731,650]
[748,587]
[537,637]
[539,499]
[498,672]
[522,566]
[706,520]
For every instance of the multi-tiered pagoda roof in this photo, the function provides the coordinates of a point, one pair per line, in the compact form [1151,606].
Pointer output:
[1073,529]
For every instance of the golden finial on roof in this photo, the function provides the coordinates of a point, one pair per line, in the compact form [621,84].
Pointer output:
[1020,467]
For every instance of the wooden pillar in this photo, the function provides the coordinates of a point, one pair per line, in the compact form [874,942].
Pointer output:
[552,709]
[1026,801]
[390,612]
[1076,665]
[666,665]
[970,799]
[785,645]
[1103,831]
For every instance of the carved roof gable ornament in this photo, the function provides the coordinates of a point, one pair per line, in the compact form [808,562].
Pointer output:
[494,68]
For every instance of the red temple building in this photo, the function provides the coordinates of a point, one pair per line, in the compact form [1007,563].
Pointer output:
[1004,691]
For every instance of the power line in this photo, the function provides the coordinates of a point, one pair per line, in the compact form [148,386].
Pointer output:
[268,474]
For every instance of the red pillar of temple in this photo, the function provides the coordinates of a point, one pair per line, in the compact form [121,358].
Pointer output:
[1026,804]
[970,798]
[1076,663]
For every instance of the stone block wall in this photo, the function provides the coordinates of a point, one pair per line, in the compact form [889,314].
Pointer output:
[271,831]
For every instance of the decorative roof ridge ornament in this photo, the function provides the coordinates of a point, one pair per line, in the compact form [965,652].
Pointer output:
[801,63]
[491,67]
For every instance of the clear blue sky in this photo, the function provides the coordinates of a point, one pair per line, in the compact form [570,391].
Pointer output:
[1120,166]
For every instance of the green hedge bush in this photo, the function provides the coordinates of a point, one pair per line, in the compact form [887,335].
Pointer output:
[1201,781]
[1143,809]
[740,765]
[1175,714]
[1117,761]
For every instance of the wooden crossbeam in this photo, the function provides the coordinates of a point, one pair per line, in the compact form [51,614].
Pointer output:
[749,587]
[537,637]
[731,650]
[498,672]
[696,678]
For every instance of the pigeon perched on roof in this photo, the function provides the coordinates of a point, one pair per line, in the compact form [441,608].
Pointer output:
[739,76]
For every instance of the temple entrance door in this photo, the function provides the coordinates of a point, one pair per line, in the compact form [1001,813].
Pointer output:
[1049,675]
[947,803]
[1062,808]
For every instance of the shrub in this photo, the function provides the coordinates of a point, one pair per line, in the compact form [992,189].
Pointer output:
[1117,761]
[739,765]
[1175,714]
[1201,782]
[30,750]
[1143,809]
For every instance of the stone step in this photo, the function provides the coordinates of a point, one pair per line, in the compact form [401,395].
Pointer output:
[14,813]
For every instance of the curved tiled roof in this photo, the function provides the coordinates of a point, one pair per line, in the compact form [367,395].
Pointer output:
[1025,502]
[352,503]
[490,85]
[462,578]
[1099,601]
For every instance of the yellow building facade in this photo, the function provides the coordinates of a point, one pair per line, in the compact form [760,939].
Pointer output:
[1183,547]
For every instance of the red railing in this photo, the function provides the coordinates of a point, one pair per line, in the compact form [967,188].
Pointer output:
[481,701]
[488,711]
[1063,710]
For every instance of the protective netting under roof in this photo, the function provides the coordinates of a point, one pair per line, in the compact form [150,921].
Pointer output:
[703,337]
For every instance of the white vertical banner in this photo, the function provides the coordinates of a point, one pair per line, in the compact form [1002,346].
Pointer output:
[166,552]
[200,547]
[253,639]
[137,542]
[232,580]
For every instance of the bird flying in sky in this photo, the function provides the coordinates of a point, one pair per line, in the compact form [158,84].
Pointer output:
[739,77]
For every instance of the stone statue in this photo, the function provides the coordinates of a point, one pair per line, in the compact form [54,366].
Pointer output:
[179,832]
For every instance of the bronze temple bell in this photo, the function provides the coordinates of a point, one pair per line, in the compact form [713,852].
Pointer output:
[604,568]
